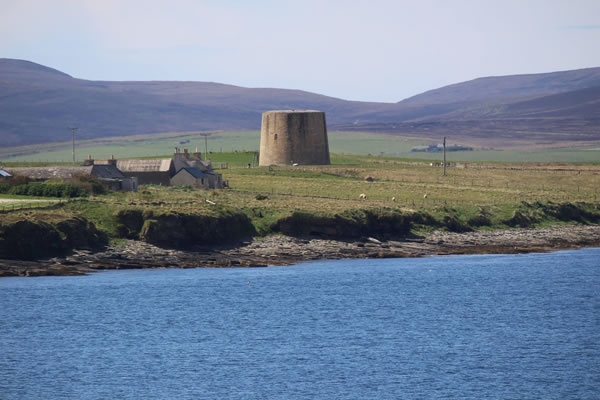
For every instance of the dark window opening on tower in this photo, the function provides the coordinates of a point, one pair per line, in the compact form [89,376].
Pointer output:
[275,136]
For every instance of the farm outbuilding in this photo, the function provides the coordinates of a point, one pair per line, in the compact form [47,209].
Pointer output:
[106,174]
[156,171]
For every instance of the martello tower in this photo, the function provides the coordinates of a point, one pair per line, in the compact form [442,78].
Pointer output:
[294,136]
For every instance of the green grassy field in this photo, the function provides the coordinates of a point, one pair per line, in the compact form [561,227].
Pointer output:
[486,190]
[478,183]
[409,181]
[230,141]
[132,147]
[499,194]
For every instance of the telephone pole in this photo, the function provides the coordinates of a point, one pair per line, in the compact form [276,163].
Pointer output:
[444,155]
[206,135]
[73,132]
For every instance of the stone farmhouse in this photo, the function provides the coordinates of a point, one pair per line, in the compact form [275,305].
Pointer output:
[125,175]
[183,168]
[192,176]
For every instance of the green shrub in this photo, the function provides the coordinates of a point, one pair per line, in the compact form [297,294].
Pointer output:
[49,190]
[18,180]
[90,184]
[19,190]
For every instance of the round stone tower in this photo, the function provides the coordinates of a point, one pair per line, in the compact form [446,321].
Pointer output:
[293,136]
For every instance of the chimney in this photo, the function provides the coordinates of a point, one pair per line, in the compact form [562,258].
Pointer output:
[186,154]
[112,160]
[89,161]
[197,155]
[179,156]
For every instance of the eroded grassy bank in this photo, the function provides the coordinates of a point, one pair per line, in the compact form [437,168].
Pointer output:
[91,224]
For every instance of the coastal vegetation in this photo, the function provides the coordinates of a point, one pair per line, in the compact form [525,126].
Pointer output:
[80,186]
[404,197]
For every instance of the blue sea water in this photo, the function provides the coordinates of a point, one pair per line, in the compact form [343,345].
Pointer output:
[461,327]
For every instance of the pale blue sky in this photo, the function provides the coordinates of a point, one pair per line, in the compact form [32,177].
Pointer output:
[372,50]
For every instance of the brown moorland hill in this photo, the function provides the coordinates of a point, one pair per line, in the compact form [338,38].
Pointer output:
[38,104]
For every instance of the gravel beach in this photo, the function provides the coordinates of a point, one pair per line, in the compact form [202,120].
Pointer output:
[285,250]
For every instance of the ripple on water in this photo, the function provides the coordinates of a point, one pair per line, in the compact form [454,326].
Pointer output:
[516,326]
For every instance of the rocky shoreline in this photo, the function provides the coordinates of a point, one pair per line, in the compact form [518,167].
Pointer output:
[285,250]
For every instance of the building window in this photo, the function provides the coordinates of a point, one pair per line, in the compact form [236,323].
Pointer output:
[275,136]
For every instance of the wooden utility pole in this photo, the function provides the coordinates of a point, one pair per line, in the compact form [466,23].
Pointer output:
[73,133]
[205,144]
[444,155]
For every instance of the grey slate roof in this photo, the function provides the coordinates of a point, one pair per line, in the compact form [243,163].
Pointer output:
[150,165]
[107,172]
[180,161]
[53,172]
[99,171]
[195,172]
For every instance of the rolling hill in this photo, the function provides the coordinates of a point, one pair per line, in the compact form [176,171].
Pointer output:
[38,104]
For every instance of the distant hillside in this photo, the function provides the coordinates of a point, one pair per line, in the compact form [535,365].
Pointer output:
[505,88]
[539,109]
[581,104]
[38,104]
[485,94]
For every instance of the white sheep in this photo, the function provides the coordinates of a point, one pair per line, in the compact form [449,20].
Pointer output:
[394,198]
[425,196]
[362,196]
